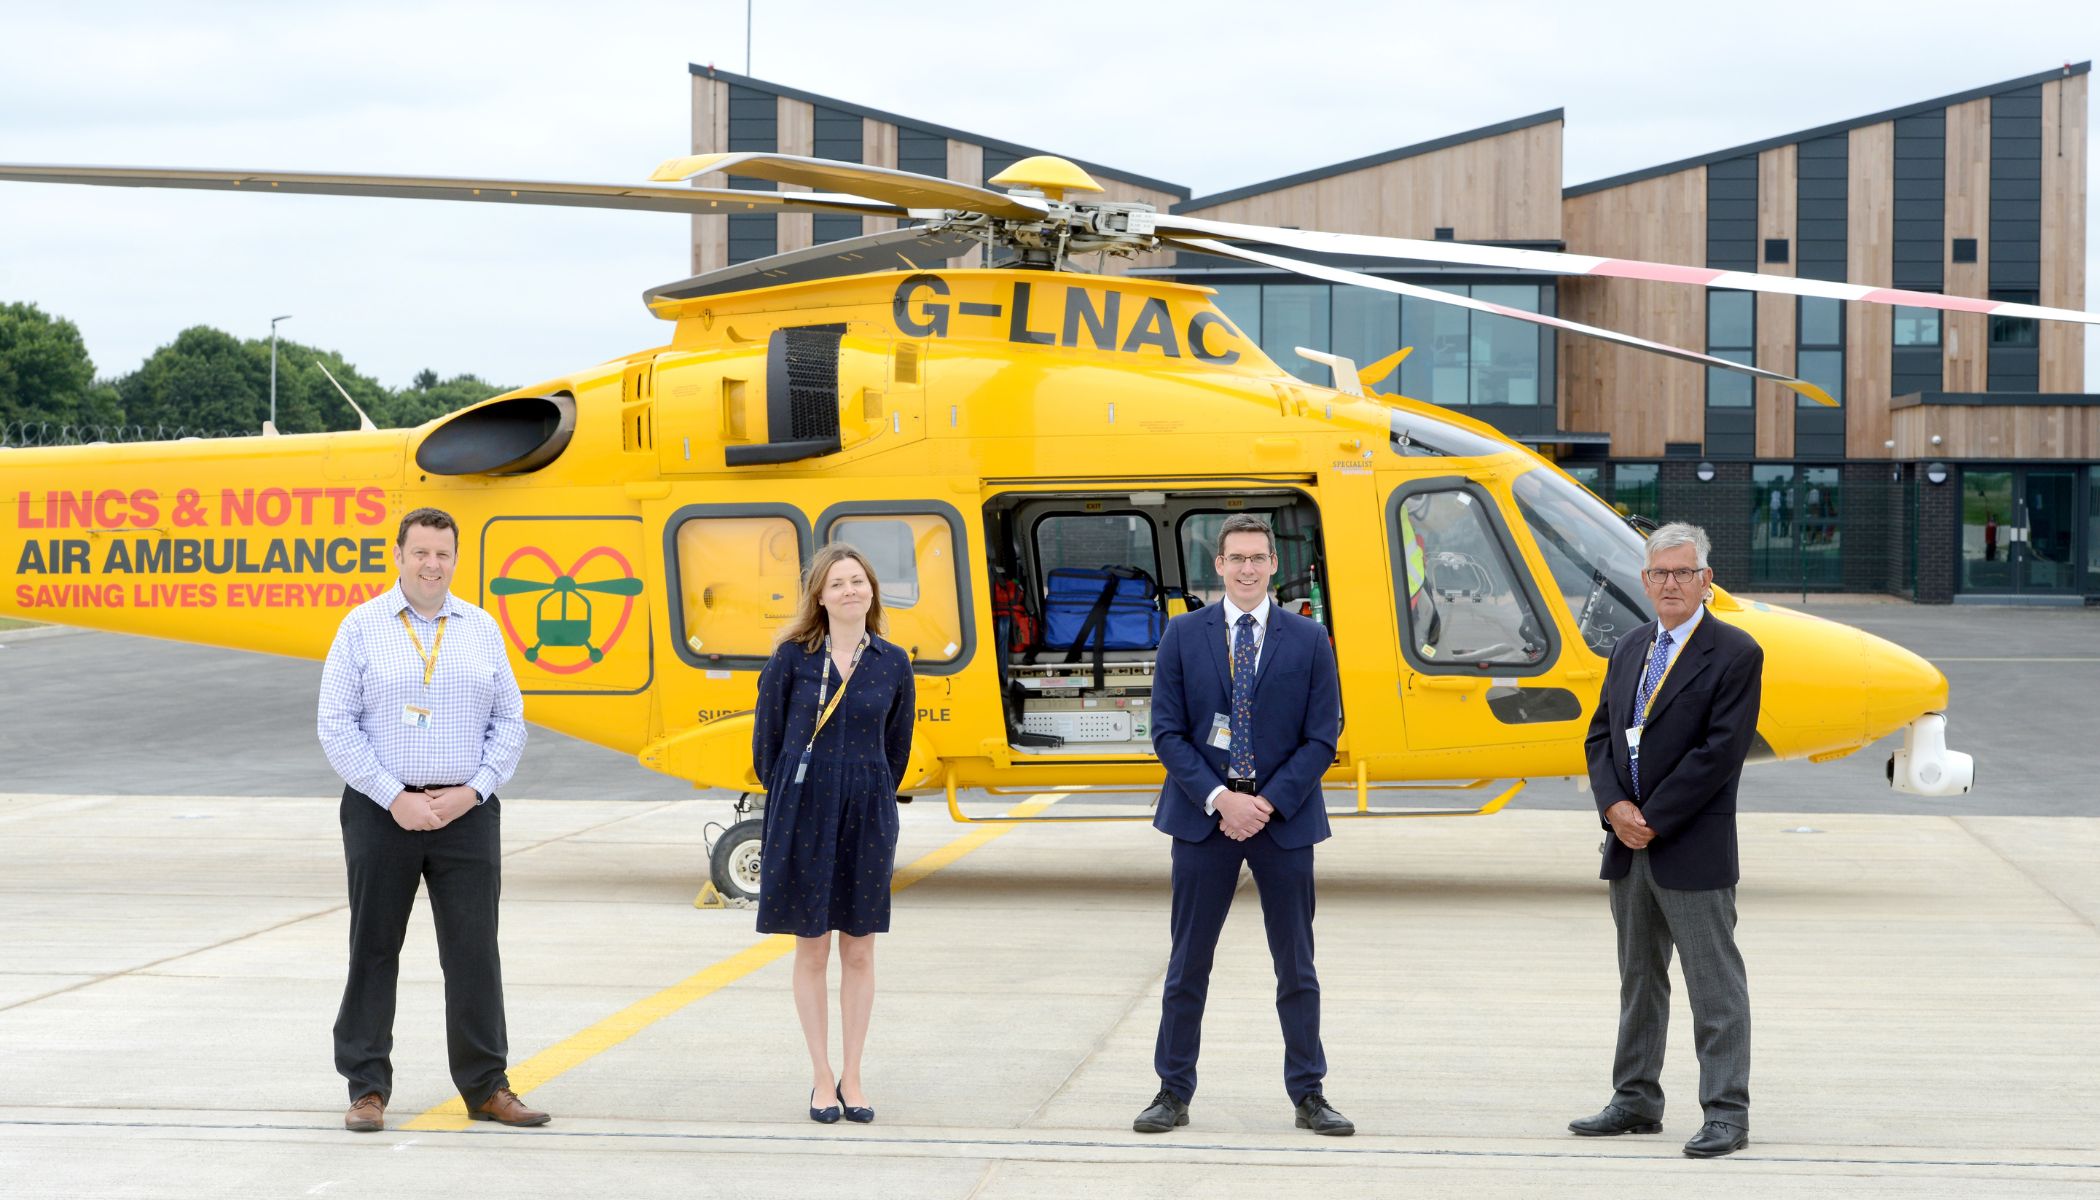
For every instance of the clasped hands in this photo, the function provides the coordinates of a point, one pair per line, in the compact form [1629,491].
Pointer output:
[1242,816]
[1629,825]
[425,811]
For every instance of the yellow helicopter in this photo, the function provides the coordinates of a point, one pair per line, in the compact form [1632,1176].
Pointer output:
[1036,459]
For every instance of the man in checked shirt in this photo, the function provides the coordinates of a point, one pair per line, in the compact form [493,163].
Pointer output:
[421,716]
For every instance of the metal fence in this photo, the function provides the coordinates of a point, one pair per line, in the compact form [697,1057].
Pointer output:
[62,433]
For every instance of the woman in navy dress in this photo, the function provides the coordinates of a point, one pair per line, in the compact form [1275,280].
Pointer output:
[831,804]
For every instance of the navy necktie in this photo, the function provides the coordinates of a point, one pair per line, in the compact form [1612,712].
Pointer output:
[1242,765]
[1658,663]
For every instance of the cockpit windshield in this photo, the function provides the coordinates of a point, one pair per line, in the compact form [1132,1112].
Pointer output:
[1595,557]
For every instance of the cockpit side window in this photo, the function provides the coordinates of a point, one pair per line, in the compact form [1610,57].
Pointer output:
[1594,556]
[1463,603]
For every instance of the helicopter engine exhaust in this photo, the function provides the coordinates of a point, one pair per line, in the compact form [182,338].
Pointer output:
[802,397]
[512,436]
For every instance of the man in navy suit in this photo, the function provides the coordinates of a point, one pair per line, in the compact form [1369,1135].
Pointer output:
[1666,748]
[1245,712]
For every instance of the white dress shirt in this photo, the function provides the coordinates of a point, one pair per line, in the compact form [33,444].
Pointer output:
[1232,613]
[476,730]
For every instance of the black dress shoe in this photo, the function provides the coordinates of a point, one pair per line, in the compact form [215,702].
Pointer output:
[1167,1111]
[1613,1121]
[1316,1114]
[859,1116]
[1716,1138]
[822,1116]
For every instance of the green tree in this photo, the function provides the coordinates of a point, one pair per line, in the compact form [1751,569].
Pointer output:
[45,372]
[430,398]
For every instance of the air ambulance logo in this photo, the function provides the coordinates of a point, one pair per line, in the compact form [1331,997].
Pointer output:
[568,605]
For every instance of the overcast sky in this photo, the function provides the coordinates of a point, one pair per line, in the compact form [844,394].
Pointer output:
[1211,96]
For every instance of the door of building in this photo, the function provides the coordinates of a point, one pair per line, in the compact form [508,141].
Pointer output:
[2019,531]
[1794,528]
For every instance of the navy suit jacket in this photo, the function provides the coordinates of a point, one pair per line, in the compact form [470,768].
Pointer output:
[1698,733]
[1297,718]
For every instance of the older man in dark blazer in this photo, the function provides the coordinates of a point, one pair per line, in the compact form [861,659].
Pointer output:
[1246,708]
[1666,749]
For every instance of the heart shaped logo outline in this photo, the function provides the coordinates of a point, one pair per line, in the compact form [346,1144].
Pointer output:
[554,571]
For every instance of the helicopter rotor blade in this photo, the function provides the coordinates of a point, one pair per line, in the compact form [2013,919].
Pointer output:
[1359,245]
[613,587]
[905,189]
[486,191]
[502,586]
[1343,275]
[911,248]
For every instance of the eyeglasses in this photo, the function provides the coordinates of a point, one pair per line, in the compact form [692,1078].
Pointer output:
[1663,575]
[1236,561]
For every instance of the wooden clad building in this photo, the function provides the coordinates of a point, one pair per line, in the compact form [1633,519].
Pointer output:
[1963,460]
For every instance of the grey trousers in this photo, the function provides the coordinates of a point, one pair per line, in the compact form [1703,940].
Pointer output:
[1652,919]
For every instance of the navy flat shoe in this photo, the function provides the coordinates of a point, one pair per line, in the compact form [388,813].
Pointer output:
[822,1116]
[859,1116]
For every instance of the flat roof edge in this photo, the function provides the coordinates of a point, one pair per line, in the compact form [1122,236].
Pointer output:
[2067,71]
[862,110]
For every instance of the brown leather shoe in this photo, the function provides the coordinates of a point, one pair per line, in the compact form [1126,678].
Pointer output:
[367,1115]
[506,1108]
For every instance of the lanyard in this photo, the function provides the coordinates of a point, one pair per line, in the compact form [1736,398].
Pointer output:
[825,686]
[429,657]
[1671,666]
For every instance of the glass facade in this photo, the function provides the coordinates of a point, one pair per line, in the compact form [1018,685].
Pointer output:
[1821,357]
[1731,333]
[1460,357]
[1635,489]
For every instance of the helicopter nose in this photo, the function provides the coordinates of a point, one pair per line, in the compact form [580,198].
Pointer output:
[1830,689]
[1900,686]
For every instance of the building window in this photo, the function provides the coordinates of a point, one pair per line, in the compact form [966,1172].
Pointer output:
[1964,250]
[1635,489]
[1917,326]
[1294,315]
[1820,358]
[2014,331]
[1775,250]
[1505,351]
[1437,371]
[1367,328]
[1731,333]
[1241,304]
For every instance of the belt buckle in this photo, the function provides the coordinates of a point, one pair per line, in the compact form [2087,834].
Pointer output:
[1245,787]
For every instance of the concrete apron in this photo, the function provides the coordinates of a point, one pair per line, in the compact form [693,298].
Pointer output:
[1926,991]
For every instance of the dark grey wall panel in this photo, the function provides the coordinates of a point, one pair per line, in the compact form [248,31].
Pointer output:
[754,124]
[1731,214]
[1819,432]
[835,134]
[1821,196]
[921,151]
[1915,369]
[1920,238]
[1731,432]
[2015,233]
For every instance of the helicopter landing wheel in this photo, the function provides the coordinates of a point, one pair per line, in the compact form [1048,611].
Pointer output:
[734,864]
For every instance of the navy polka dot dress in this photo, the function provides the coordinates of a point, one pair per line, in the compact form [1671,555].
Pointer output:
[831,840]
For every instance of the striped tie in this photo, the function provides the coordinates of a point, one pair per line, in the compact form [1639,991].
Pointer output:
[1242,765]
[1658,662]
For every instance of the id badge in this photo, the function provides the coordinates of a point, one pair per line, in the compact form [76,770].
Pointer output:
[415,716]
[1220,732]
[1633,741]
[802,766]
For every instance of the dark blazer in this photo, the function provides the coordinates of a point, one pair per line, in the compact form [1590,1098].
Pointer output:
[1692,750]
[1297,718]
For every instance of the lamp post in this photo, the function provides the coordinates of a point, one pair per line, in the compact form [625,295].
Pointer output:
[273,367]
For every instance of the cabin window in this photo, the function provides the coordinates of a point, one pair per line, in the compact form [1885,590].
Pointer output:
[739,580]
[1095,539]
[916,564]
[1462,604]
[1594,557]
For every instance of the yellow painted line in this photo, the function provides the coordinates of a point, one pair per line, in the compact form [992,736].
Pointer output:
[581,1047]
